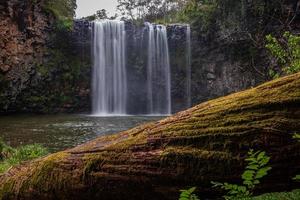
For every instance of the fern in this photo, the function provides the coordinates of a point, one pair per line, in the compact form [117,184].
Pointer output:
[188,194]
[297,136]
[255,170]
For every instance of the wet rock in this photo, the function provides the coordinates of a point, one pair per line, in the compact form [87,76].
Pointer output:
[5,68]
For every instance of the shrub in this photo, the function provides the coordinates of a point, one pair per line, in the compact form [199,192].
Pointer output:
[188,194]
[255,170]
[285,52]
[63,11]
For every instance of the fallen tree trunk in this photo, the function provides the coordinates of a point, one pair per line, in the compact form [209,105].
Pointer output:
[205,143]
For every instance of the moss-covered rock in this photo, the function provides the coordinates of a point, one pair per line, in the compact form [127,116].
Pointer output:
[206,143]
[42,67]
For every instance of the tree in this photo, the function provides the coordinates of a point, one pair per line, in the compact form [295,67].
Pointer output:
[150,10]
[101,14]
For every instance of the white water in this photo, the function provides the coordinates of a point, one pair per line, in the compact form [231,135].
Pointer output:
[109,68]
[188,66]
[158,71]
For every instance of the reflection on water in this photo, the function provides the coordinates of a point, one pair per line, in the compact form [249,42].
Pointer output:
[59,132]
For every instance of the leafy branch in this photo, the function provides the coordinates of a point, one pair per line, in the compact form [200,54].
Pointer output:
[188,194]
[285,52]
[256,169]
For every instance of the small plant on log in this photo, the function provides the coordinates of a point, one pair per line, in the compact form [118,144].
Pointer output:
[256,169]
[188,194]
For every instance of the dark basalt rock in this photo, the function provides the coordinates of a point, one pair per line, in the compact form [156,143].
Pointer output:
[43,68]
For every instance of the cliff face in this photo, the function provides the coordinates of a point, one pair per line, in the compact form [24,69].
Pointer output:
[39,64]
[24,32]
[45,66]
[228,43]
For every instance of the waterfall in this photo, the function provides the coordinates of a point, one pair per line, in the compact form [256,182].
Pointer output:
[109,83]
[158,71]
[188,67]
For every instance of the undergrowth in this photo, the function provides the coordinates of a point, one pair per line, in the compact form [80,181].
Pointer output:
[256,169]
[13,156]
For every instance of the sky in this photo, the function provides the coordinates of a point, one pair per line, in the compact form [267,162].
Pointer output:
[89,7]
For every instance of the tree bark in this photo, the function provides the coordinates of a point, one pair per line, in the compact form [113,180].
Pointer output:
[154,161]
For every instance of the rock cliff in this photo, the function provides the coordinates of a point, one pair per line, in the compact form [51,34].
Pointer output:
[40,66]
[45,63]
[24,32]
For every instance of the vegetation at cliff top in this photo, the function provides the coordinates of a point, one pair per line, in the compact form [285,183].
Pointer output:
[285,53]
[14,156]
[63,10]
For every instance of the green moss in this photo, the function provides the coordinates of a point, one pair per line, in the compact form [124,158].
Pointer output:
[44,173]
[294,195]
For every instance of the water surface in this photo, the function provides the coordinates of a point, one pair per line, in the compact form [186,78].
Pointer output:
[59,132]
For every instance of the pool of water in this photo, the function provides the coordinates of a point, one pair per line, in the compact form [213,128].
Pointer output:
[59,132]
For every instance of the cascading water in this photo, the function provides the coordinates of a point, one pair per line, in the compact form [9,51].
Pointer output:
[188,66]
[158,71]
[109,68]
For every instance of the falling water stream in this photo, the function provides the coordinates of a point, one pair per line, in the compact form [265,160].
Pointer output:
[158,71]
[110,86]
[109,92]
[188,67]
[109,68]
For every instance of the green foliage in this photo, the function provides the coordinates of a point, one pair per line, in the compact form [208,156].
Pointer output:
[234,191]
[100,15]
[188,194]
[150,10]
[63,10]
[65,24]
[5,150]
[294,195]
[286,52]
[10,157]
[297,136]
[255,170]
[199,12]
[297,178]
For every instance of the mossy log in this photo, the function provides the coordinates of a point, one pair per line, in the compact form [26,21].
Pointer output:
[206,143]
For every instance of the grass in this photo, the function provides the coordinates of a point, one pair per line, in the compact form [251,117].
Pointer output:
[10,157]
